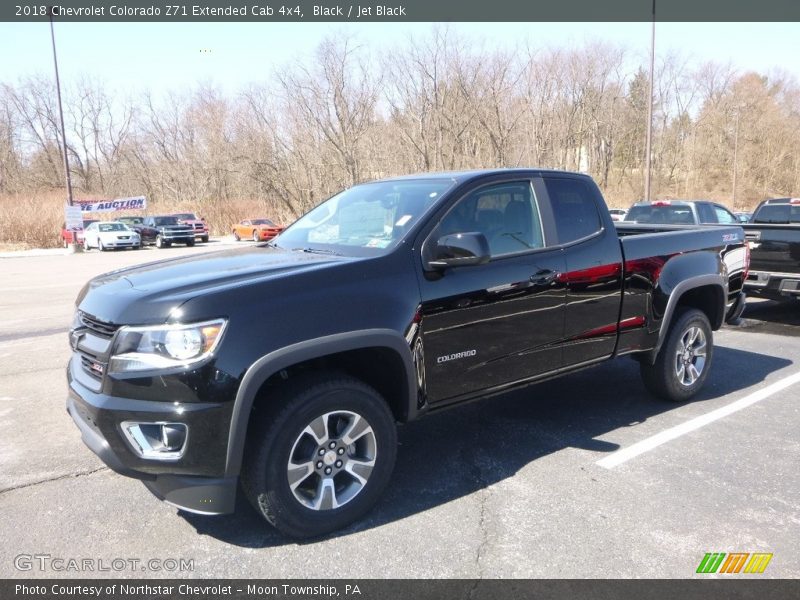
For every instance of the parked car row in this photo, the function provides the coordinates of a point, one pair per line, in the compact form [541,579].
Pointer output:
[772,232]
[161,231]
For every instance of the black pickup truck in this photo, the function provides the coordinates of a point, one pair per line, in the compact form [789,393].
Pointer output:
[773,235]
[163,231]
[286,367]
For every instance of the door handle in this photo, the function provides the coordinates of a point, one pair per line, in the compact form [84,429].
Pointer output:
[544,277]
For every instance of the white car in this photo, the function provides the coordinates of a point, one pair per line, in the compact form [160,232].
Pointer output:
[105,235]
[618,214]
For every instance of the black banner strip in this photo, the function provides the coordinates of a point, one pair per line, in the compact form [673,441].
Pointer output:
[400,11]
[730,588]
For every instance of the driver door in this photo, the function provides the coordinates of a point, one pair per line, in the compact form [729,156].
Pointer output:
[491,325]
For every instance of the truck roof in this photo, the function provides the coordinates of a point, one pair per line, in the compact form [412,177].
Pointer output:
[467,175]
[782,201]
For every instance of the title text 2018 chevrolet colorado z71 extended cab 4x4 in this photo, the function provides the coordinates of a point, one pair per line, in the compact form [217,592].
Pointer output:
[285,367]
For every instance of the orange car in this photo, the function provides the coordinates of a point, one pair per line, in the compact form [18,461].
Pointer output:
[258,230]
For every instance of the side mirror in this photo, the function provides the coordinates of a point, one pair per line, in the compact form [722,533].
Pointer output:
[460,250]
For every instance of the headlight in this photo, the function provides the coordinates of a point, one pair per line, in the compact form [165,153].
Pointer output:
[164,346]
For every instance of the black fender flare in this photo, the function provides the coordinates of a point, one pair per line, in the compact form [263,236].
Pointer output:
[675,295]
[280,359]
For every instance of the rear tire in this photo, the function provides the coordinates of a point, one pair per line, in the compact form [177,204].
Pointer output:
[685,358]
[306,439]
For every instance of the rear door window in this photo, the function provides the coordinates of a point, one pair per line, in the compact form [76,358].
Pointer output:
[574,208]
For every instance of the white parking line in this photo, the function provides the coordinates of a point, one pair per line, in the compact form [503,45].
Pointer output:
[624,455]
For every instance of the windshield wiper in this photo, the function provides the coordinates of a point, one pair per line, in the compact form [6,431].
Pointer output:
[317,251]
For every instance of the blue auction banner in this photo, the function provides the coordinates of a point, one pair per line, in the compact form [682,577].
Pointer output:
[134,203]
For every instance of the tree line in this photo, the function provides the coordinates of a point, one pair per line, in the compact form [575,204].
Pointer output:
[440,102]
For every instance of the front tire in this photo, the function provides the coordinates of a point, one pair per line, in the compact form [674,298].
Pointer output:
[236,236]
[160,243]
[190,243]
[100,245]
[255,236]
[685,358]
[321,459]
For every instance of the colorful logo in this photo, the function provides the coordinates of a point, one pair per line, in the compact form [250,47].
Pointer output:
[733,562]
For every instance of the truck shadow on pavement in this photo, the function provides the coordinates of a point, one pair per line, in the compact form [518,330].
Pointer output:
[457,452]
[773,316]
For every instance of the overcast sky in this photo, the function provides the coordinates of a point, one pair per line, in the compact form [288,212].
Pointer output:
[168,56]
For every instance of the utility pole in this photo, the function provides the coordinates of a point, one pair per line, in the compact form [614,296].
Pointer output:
[648,143]
[74,245]
[735,156]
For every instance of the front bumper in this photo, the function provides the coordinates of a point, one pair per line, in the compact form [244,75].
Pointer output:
[195,483]
[180,238]
[132,243]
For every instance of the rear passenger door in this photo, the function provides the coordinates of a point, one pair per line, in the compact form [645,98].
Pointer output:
[593,275]
[494,324]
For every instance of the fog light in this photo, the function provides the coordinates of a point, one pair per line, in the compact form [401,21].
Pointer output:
[156,441]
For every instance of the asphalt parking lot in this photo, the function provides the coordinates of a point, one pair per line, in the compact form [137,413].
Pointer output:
[585,476]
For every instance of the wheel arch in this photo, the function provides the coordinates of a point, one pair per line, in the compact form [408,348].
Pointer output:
[706,293]
[399,387]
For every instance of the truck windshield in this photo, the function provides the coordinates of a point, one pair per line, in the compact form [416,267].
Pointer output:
[161,221]
[364,220]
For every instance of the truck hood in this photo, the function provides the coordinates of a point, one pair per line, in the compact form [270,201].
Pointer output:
[148,293]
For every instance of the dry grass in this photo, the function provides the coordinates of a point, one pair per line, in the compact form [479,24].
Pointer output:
[35,220]
[31,221]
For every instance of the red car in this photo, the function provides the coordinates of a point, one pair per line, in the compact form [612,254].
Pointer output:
[258,230]
[195,222]
[68,236]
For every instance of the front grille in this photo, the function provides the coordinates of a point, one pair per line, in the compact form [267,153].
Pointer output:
[101,328]
[198,226]
[88,364]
